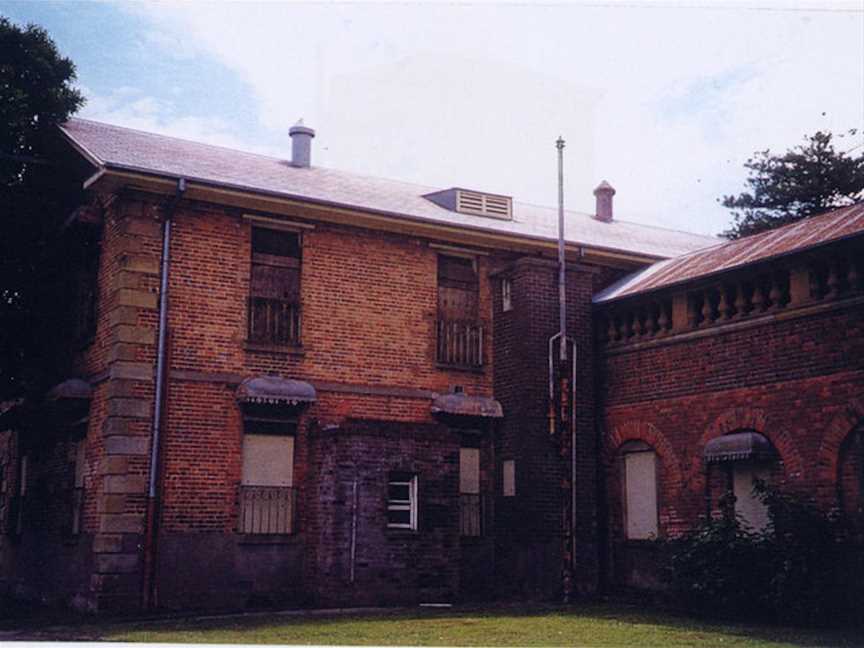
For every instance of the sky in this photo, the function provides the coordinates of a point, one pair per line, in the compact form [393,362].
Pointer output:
[664,100]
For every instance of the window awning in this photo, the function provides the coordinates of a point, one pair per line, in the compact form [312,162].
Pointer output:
[273,390]
[739,446]
[463,405]
[72,389]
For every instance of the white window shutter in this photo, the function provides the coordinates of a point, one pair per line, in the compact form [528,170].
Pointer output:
[751,509]
[641,495]
[508,485]
[268,460]
[469,470]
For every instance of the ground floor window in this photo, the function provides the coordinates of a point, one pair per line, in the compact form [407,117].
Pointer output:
[77,459]
[748,506]
[402,501]
[470,503]
[508,478]
[640,491]
[267,494]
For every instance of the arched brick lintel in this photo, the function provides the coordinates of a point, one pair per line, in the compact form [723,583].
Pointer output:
[841,425]
[753,418]
[643,431]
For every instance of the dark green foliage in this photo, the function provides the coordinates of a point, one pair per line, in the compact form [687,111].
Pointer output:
[36,93]
[806,568]
[719,570]
[806,180]
[815,563]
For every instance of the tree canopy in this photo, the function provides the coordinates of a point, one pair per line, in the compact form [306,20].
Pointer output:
[36,93]
[808,179]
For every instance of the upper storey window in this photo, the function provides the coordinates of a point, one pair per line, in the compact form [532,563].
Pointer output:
[274,290]
[460,331]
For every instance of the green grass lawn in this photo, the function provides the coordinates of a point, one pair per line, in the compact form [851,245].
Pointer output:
[594,625]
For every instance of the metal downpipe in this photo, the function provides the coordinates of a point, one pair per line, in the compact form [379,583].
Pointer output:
[149,580]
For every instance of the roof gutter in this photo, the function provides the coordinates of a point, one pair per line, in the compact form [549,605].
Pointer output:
[219,191]
[149,580]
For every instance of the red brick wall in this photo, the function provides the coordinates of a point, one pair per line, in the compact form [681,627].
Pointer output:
[796,380]
[369,305]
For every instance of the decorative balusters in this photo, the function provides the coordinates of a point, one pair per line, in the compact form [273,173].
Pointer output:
[853,274]
[741,302]
[693,310]
[706,310]
[775,294]
[724,308]
[663,320]
[833,280]
[638,324]
[612,330]
[758,300]
[744,297]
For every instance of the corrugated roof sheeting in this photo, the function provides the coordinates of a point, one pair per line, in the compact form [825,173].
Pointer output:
[810,232]
[123,148]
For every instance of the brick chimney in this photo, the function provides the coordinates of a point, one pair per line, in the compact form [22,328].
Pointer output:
[301,145]
[604,193]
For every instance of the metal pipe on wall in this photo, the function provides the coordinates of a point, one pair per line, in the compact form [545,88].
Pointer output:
[149,575]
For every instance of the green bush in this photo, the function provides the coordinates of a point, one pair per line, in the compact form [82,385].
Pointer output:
[806,568]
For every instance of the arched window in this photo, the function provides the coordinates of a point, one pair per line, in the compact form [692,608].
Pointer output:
[747,456]
[639,472]
[850,476]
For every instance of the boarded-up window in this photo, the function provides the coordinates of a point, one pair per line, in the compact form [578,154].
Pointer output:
[470,502]
[77,455]
[458,288]
[274,288]
[267,496]
[268,460]
[752,510]
[459,330]
[640,494]
[508,474]
[469,470]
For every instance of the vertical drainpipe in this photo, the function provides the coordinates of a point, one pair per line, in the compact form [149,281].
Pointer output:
[149,579]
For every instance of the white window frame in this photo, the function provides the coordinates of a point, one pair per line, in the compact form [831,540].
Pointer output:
[506,294]
[409,505]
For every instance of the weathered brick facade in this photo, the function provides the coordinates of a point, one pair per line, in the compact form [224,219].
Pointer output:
[792,373]
[672,377]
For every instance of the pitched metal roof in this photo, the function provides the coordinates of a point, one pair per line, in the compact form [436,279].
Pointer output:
[125,149]
[811,232]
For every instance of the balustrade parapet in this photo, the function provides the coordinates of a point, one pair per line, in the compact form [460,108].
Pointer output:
[737,298]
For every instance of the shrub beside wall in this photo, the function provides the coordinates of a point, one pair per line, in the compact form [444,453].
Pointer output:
[806,568]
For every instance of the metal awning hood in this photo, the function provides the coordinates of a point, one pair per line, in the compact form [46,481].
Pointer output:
[463,405]
[72,389]
[739,446]
[274,390]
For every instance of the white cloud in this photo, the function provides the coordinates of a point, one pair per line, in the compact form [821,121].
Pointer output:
[665,102]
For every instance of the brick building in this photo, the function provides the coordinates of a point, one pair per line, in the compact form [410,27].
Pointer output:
[288,385]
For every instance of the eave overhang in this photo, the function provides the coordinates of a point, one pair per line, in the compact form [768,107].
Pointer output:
[112,178]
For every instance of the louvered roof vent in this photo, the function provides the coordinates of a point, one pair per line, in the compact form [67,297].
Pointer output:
[477,203]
